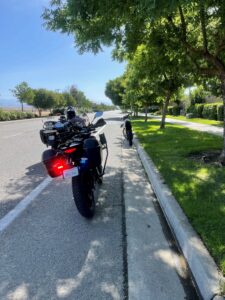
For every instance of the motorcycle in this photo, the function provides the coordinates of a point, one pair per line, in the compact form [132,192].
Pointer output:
[76,153]
[127,129]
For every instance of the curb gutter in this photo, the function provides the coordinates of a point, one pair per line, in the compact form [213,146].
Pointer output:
[201,264]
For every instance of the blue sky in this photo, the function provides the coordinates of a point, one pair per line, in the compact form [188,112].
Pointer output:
[44,59]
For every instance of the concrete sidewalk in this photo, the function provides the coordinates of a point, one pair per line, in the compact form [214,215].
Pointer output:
[202,266]
[155,269]
[196,126]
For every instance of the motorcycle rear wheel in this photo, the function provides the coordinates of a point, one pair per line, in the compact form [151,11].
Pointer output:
[83,194]
[130,141]
[129,137]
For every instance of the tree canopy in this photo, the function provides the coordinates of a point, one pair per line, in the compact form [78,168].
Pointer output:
[115,90]
[195,33]
[23,93]
[43,99]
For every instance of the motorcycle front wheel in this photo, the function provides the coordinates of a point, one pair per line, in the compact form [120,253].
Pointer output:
[83,193]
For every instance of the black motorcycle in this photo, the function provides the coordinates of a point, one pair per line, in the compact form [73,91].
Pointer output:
[127,129]
[76,153]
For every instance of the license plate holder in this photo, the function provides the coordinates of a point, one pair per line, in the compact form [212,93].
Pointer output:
[71,172]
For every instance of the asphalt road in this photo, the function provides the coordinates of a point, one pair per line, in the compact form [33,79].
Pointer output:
[20,155]
[51,252]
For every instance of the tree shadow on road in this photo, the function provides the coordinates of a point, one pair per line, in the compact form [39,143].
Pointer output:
[17,189]
[51,252]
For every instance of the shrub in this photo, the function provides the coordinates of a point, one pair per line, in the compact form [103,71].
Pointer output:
[5,116]
[220,112]
[190,115]
[192,110]
[12,116]
[199,110]
[15,115]
[170,110]
[158,112]
[29,115]
[210,111]
[176,110]
[1,114]
[56,111]
[153,108]
[19,114]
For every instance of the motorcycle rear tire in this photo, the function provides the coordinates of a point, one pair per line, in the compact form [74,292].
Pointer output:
[130,137]
[83,194]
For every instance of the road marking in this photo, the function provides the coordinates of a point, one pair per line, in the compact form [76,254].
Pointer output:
[20,207]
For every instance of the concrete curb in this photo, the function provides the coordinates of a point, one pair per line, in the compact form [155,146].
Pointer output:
[201,264]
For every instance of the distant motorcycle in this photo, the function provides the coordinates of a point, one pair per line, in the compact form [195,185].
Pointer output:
[75,153]
[127,129]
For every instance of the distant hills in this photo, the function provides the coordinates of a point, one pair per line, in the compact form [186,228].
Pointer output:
[11,103]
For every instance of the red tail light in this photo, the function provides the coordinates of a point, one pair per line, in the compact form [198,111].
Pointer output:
[70,150]
[59,165]
[56,166]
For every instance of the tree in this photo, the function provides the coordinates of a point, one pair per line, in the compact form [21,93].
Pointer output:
[74,93]
[44,99]
[69,100]
[213,86]
[115,90]
[156,76]
[199,28]
[139,92]
[80,100]
[23,93]
[198,95]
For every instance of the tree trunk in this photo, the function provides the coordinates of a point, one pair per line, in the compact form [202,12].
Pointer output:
[222,155]
[165,106]
[146,113]
[39,112]
[22,105]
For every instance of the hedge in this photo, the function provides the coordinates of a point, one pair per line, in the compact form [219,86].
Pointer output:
[199,110]
[211,111]
[176,110]
[170,110]
[15,115]
[173,110]
[220,112]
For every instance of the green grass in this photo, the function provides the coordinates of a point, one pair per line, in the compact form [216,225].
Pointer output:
[199,188]
[197,120]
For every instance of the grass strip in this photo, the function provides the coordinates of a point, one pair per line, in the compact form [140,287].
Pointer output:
[197,120]
[198,187]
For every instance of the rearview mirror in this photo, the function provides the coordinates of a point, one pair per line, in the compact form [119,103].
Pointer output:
[100,122]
